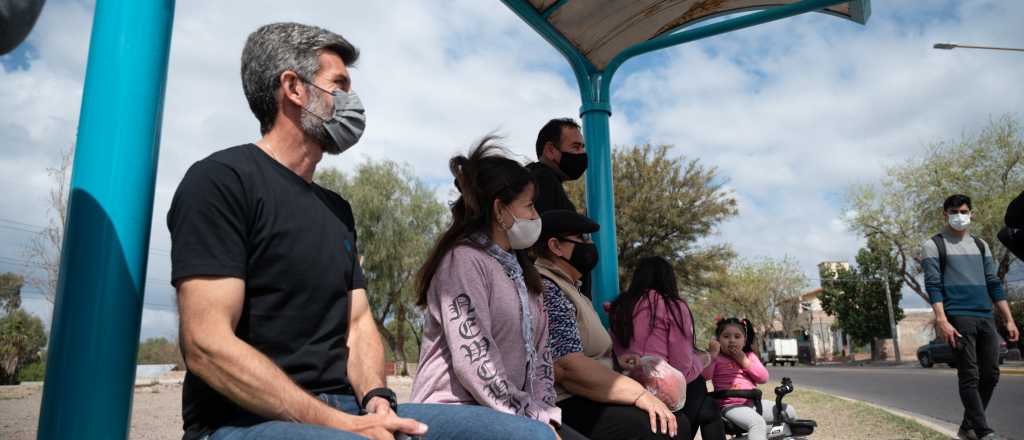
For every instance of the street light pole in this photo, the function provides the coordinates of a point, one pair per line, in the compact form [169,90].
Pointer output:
[951,46]
[892,321]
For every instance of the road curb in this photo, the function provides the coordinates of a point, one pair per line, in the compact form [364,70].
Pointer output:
[942,427]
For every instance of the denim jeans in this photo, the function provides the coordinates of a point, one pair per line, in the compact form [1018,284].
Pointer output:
[977,367]
[444,422]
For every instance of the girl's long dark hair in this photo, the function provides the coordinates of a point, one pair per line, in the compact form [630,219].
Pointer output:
[652,273]
[482,177]
[745,326]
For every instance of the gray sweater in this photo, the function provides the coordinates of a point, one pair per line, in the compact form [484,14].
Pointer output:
[970,285]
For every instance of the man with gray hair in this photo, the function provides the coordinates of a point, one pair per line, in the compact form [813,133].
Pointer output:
[276,329]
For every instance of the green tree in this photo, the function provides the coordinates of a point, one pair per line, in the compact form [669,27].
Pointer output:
[906,207]
[665,205]
[764,291]
[857,296]
[397,219]
[21,335]
[160,351]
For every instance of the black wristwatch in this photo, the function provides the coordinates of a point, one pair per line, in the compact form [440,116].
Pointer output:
[384,393]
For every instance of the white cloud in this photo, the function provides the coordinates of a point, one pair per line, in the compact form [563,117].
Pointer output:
[794,111]
[791,112]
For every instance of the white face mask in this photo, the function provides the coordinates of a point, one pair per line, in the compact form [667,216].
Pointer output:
[523,233]
[959,222]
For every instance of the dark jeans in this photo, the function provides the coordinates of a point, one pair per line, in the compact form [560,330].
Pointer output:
[977,365]
[703,411]
[444,422]
[604,421]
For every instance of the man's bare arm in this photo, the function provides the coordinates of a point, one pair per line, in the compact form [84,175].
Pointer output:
[210,309]
[365,349]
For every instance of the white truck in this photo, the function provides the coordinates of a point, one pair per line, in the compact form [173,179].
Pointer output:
[782,351]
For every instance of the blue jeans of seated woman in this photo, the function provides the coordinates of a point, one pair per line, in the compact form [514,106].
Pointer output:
[445,422]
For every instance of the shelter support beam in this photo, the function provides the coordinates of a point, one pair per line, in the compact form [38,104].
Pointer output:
[90,370]
[685,36]
[601,202]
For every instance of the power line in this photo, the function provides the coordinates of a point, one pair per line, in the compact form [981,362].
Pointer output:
[7,220]
[16,228]
[36,229]
[39,294]
[153,281]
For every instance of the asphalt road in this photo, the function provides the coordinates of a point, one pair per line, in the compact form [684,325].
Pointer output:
[929,392]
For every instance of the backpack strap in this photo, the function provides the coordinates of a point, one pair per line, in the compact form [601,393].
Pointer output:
[981,247]
[940,244]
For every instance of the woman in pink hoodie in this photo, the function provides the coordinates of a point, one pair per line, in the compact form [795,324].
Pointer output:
[650,318]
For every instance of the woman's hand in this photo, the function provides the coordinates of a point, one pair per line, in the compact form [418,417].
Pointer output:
[661,416]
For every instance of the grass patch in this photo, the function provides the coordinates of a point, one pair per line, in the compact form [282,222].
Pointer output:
[843,419]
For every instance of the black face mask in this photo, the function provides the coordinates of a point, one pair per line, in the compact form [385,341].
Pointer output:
[584,256]
[573,165]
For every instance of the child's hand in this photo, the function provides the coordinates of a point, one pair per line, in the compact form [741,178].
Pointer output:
[629,360]
[714,348]
[738,355]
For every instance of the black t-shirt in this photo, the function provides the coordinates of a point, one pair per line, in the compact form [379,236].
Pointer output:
[239,213]
[550,193]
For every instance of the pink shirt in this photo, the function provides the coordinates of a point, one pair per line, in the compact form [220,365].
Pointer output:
[669,339]
[726,374]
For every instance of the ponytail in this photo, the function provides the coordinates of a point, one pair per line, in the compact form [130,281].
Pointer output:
[484,175]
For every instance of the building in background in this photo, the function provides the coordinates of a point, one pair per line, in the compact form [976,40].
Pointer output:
[826,341]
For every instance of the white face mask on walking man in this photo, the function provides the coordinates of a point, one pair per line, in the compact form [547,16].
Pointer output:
[959,221]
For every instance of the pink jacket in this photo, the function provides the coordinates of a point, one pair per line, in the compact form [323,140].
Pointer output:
[726,374]
[671,340]
[473,351]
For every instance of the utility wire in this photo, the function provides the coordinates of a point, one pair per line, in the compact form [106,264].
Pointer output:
[39,294]
[15,225]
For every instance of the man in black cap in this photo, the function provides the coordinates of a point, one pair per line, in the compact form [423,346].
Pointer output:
[595,400]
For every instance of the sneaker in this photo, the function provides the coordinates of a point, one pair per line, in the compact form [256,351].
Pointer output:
[966,434]
[992,436]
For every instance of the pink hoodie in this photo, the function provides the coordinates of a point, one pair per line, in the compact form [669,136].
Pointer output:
[726,374]
[672,341]
[473,350]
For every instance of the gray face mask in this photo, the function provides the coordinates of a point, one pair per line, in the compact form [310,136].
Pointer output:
[346,124]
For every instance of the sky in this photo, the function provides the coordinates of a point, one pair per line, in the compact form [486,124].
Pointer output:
[791,113]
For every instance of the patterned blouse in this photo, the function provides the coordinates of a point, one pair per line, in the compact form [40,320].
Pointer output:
[564,337]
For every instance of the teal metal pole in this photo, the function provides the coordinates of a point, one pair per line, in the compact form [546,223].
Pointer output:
[90,370]
[601,203]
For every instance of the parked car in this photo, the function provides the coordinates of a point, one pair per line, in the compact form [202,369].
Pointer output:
[939,352]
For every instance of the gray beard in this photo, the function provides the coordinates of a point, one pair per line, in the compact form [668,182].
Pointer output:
[313,126]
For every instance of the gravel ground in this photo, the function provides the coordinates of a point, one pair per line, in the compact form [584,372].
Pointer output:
[157,414]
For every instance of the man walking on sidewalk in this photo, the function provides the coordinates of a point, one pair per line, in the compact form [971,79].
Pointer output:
[960,278]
